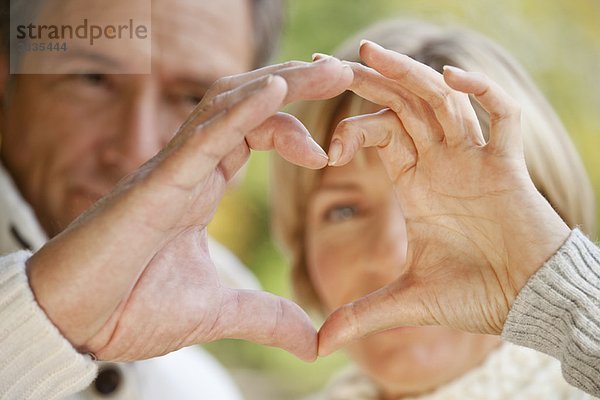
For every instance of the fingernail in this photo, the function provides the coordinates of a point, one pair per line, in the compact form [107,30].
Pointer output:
[453,70]
[316,148]
[335,151]
[319,56]
[365,41]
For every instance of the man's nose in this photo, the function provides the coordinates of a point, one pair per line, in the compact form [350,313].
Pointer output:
[136,137]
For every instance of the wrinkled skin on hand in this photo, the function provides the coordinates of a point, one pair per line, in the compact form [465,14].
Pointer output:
[477,227]
[132,277]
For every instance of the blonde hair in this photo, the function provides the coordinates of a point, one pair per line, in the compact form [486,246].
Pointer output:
[552,159]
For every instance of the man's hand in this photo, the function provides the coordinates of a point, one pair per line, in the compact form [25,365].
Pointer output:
[477,227]
[132,277]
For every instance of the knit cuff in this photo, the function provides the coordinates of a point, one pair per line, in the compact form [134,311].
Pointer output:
[36,361]
[557,312]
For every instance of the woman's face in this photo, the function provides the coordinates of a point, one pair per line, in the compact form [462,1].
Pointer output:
[356,243]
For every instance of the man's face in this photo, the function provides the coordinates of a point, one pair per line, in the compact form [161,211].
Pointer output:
[69,138]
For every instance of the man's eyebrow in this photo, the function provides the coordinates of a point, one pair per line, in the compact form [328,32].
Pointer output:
[97,58]
[199,83]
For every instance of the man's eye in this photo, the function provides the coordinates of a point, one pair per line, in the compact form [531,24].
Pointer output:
[340,213]
[93,78]
[186,100]
[193,100]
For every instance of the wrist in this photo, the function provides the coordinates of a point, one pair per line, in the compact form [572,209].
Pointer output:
[543,232]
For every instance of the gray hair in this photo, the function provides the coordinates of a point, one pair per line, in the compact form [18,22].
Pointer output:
[554,165]
[267,18]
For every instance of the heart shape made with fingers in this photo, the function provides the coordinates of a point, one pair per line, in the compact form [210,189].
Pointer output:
[464,264]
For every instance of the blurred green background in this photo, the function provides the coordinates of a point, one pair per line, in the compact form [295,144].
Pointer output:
[557,41]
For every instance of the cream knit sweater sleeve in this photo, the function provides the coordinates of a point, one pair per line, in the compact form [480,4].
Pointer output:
[36,361]
[558,312]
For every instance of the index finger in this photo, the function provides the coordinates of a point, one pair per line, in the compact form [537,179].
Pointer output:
[452,108]
[319,80]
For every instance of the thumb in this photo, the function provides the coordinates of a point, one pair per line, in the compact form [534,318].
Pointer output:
[395,305]
[267,319]
[286,134]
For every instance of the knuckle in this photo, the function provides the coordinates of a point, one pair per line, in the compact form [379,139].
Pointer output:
[222,83]
[440,98]
[481,76]
[400,71]
[237,131]
[212,103]
[483,82]
[210,154]
[484,90]
[360,137]
[513,108]
[278,319]
[343,127]
[291,64]
[225,100]
[217,87]
[351,130]
[397,104]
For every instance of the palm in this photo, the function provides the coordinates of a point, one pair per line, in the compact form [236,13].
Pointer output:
[178,299]
[450,205]
[466,262]
[167,310]
[139,280]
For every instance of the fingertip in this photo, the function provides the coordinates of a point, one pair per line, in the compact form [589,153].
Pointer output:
[346,141]
[450,69]
[336,64]
[319,159]
[363,49]
[325,58]
[300,327]
[311,355]
[308,352]
[329,340]
[463,81]
[366,43]
[326,349]
[336,148]
[367,46]
[319,56]
[290,138]
[324,352]
[453,75]
[320,164]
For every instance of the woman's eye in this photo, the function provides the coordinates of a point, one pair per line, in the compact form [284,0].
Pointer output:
[340,213]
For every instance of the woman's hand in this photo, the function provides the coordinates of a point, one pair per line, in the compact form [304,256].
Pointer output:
[477,227]
[132,278]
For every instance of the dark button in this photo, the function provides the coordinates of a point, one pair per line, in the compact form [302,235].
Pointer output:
[108,380]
